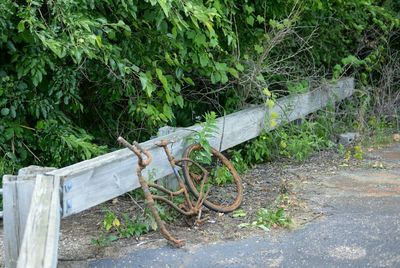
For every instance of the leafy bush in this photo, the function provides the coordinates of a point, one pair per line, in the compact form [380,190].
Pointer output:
[74,75]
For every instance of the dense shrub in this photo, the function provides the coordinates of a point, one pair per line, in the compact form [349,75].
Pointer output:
[75,74]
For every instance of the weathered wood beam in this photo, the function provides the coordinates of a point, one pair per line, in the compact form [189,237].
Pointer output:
[40,243]
[17,195]
[16,202]
[94,181]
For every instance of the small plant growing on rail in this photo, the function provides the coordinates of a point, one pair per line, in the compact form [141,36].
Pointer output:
[208,130]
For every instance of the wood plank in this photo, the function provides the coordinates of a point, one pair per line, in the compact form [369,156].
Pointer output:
[17,199]
[11,231]
[40,243]
[94,181]
[16,202]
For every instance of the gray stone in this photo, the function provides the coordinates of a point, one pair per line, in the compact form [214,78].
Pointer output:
[348,138]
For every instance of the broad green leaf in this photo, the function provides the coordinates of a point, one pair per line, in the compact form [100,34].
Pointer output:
[162,79]
[203,59]
[168,59]
[111,35]
[270,103]
[249,9]
[260,78]
[259,49]
[188,80]
[221,66]
[116,222]
[9,133]
[5,111]
[213,42]
[21,26]
[239,67]
[41,124]
[224,78]
[250,20]
[112,238]
[266,92]
[167,111]
[260,19]
[239,213]
[233,72]
[99,41]
[179,101]
[13,112]
[54,46]
[215,77]
[165,7]
[200,40]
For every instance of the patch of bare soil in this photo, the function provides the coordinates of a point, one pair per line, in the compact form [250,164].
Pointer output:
[263,185]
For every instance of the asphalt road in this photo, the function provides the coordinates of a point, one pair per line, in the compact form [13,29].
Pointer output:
[361,228]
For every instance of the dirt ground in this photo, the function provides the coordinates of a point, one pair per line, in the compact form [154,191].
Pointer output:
[263,184]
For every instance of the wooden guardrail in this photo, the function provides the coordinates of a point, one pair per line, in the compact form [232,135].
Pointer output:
[40,241]
[92,182]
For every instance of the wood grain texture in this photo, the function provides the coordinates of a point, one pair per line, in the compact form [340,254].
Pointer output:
[94,181]
[40,243]
[16,201]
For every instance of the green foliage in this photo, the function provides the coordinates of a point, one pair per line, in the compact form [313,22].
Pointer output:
[101,68]
[236,158]
[300,142]
[135,227]
[298,87]
[74,75]
[239,213]
[110,221]
[292,141]
[378,131]
[355,152]
[123,226]
[358,152]
[221,175]
[344,24]
[267,218]
[103,240]
[208,130]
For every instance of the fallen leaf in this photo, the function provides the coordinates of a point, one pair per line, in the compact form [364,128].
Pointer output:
[378,165]
[396,137]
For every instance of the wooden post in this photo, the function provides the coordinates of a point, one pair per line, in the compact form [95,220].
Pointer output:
[16,199]
[17,193]
[40,243]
